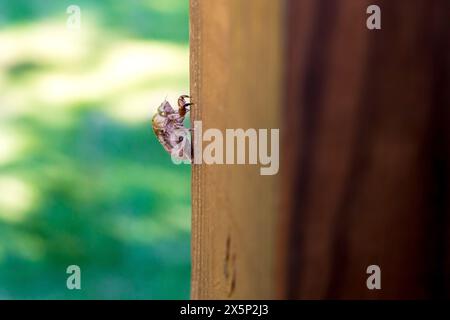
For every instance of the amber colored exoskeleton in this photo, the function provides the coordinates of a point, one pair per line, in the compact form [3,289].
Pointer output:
[168,125]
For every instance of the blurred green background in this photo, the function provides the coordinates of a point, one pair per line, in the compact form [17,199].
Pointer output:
[83,180]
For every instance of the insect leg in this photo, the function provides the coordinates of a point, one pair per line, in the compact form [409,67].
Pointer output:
[182,105]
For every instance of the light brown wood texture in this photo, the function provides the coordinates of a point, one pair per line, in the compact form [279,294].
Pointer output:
[236,82]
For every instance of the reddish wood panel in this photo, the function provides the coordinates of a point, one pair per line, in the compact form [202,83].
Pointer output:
[366,161]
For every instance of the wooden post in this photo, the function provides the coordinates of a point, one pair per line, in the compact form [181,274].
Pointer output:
[235,83]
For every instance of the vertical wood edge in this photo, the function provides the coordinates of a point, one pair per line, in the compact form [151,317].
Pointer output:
[194,60]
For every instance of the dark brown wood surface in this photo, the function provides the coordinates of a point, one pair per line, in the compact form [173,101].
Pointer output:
[365,163]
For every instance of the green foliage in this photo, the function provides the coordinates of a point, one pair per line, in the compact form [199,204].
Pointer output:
[151,19]
[83,180]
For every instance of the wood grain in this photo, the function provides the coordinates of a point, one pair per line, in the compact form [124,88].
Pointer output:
[366,181]
[236,65]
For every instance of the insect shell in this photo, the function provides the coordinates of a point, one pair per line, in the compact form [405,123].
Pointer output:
[170,130]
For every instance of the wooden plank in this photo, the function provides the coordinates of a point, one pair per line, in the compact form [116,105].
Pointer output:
[366,181]
[236,64]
